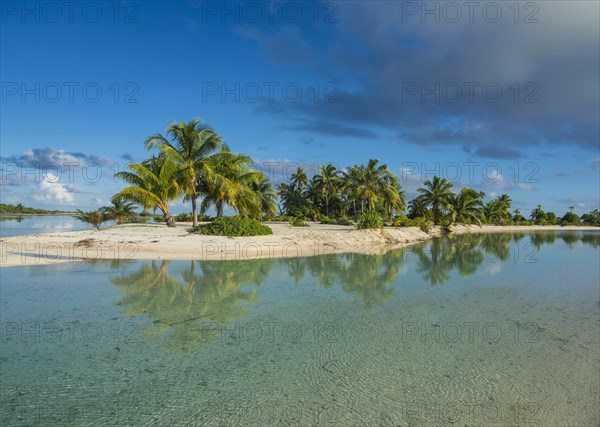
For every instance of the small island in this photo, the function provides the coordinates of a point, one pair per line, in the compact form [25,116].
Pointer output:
[360,208]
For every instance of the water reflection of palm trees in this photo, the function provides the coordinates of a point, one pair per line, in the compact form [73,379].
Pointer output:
[180,305]
[178,300]
[465,253]
[368,277]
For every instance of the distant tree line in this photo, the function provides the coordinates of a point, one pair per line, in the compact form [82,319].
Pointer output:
[372,189]
[21,209]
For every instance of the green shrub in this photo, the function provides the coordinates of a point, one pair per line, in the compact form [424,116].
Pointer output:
[304,212]
[184,217]
[570,218]
[234,226]
[281,218]
[369,220]
[423,223]
[298,222]
[339,221]
[136,220]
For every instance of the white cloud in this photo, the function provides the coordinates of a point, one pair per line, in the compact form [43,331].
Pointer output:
[49,190]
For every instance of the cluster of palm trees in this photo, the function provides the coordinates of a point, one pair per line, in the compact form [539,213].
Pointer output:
[374,188]
[467,206]
[193,161]
[340,193]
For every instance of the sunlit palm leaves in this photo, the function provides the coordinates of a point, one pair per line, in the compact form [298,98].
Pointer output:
[437,193]
[155,184]
[192,147]
[465,207]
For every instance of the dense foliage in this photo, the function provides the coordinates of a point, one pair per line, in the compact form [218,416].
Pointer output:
[339,193]
[193,162]
[372,188]
[423,223]
[298,222]
[369,220]
[20,209]
[234,226]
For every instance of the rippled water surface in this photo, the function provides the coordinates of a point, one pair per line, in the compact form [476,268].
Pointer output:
[496,329]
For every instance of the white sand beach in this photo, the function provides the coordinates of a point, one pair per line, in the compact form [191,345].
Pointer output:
[156,241]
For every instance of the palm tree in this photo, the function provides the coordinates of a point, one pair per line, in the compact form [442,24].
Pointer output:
[95,218]
[351,181]
[437,193]
[119,211]
[232,183]
[465,207]
[537,214]
[517,217]
[328,182]
[417,208]
[155,184]
[493,212]
[299,178]
[193,145]
[282,192]
[504,202]
[264,190]
[313,193]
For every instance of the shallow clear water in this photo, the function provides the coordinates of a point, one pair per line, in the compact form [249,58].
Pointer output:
[473,330]
[31,224]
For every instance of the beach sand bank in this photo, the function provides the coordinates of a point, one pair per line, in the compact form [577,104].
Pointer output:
[156,241]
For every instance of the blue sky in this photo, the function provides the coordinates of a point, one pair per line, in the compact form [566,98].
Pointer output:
[500,98]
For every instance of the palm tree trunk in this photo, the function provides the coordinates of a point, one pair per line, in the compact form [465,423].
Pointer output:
[194,212]
[169,220]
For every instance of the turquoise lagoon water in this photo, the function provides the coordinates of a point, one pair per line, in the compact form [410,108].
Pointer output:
[15,225]
[496,329]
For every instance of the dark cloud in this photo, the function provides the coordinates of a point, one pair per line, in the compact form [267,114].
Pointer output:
[332,129]
[49,158]
[127,157]
[549,91]
[498,152]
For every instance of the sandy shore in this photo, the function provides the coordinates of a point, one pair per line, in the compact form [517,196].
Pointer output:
[156,241]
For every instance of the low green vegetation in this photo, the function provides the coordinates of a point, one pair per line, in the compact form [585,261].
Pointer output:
[369,220]
[423,223]
[233,226]
[298,222]
[8,209]
[137,220]
[95,218]
[338,221]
